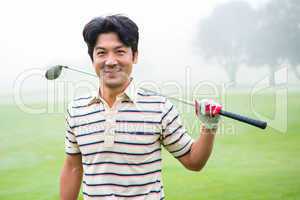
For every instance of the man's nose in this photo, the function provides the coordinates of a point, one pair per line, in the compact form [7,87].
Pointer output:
[111,60]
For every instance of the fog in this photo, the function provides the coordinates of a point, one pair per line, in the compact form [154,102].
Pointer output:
[37,34]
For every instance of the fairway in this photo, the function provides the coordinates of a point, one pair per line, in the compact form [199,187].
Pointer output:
[247,162]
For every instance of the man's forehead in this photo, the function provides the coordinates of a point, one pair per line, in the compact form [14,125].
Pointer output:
[109,37]
[99,46]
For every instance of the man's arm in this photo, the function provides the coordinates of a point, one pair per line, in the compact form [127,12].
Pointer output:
[208,112]
[71,177]
[200,151]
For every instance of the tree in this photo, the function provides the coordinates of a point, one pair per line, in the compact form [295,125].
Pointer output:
[291,21]
[223,35]
[276,36]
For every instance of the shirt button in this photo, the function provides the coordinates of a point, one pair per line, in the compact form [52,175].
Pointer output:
[109,120]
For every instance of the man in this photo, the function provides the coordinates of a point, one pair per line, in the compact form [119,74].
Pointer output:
[113,139]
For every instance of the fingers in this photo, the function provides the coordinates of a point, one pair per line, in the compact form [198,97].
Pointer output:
[208,112]
[211,108]
[217,109]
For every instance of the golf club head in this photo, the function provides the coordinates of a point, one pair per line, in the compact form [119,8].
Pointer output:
[53,72]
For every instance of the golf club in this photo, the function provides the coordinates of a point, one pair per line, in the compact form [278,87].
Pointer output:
[55,71]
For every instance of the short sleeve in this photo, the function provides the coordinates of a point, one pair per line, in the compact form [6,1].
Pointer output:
[71,146]
[175,138]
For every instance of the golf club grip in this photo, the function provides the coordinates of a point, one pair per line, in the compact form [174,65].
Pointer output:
[253,122]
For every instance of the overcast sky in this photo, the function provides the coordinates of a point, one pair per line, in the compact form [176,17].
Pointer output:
[36,34]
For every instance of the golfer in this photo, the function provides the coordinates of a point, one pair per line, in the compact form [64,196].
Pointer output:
[114,138]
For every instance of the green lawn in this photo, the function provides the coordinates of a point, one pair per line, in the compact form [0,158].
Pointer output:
[247,163]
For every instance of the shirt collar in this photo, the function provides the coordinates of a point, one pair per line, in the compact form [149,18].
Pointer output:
[130,93]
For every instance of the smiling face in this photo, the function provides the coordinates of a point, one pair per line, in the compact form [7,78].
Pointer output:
[113,61]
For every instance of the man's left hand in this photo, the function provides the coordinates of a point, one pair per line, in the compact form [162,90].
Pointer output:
[208,112]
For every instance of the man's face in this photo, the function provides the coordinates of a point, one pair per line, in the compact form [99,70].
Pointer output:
[113,60]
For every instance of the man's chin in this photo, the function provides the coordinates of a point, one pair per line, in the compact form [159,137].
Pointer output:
[114,83]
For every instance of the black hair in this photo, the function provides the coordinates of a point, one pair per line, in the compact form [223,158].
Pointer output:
[124,27]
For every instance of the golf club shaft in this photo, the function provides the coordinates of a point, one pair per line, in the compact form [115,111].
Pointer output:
[241,118]
[76,70]
[147,90]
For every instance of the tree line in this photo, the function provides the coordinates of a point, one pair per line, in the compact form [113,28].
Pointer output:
[236,34]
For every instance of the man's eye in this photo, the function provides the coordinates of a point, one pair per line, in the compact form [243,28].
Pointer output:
[121,52]
[100,53]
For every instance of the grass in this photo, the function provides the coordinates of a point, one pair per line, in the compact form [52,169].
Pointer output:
[247,163]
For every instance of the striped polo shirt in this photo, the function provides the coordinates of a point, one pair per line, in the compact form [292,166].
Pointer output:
[121,145]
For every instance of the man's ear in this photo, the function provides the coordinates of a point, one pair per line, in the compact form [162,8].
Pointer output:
[135,57]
